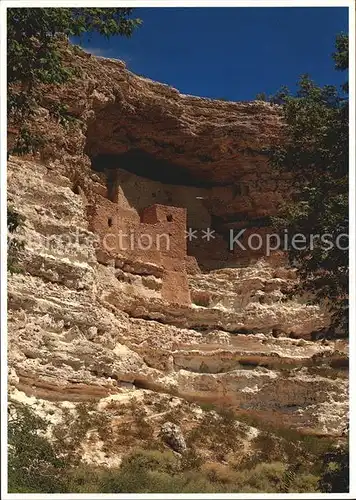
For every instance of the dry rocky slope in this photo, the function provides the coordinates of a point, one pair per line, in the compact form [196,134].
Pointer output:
[83,326]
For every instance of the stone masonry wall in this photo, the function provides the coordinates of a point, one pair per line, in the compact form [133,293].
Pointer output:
[157,237]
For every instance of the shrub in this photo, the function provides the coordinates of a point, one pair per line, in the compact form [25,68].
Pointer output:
[142,471]
[84,479]
[14,245]
[219,473]
[162,461]
[191,460]
[267,476]
[37,465]
[262,96]
[336,475]
[304,483]
[218,432]
[33,463]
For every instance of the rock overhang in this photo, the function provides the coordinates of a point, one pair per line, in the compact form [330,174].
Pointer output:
[214,141]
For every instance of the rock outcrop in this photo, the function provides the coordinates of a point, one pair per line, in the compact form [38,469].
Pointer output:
[85,323]
[172,435]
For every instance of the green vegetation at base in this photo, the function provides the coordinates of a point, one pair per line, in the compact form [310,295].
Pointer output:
[274,464]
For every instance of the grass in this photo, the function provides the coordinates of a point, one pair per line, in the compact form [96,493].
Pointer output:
[215,461]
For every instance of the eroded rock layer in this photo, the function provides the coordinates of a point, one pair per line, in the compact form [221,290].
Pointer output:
[79,329]
[205,323]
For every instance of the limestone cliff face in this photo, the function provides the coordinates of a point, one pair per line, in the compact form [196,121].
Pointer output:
[133,119]
[84,323]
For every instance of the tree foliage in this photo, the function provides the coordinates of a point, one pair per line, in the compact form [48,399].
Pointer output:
[336,471]
[14,245]
[33,463]
[35,56]
[316,152]
[46,457]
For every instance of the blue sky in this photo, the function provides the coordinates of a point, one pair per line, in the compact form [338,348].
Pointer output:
[230,53]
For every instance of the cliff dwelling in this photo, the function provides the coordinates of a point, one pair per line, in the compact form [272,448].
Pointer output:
[181,159]
[146,206]
[144,319]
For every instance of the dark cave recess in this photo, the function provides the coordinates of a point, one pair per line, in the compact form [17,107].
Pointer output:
[143,164]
